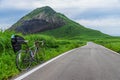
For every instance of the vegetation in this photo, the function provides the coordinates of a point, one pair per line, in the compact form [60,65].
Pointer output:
[46,9]
[112,43]
[74,30]
[53,47]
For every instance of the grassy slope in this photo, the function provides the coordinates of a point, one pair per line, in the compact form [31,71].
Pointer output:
[112,43]
[53,47]
[74,30]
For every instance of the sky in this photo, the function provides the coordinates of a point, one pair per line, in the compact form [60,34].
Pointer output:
[102,15]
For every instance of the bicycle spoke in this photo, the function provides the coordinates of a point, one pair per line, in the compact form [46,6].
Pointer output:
[23,60]
[39,56]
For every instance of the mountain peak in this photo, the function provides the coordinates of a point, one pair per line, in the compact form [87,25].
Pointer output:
[40,19]
[39,13]
[45,9]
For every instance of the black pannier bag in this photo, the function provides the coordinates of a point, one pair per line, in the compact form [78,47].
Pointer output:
[17,41]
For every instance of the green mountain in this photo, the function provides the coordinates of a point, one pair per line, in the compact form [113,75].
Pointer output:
[47,21]
[40,19]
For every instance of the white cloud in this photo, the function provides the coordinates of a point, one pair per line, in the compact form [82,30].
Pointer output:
[68,7]
[6,26]
[82,4]
[107,25]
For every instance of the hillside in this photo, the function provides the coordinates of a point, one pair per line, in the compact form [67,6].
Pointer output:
[74,30]
[40,19]
[47,21]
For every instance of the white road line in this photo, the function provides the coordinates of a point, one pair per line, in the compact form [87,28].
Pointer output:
[40,66]
[110,50]
[104,47]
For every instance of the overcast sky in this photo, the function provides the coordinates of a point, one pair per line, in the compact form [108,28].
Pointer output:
[103,15]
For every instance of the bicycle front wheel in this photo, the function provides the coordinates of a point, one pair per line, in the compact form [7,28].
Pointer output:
[23,60]
[40,55]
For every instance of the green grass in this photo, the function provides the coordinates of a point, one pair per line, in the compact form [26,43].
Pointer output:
[112,43]
[74,30]
[53,47]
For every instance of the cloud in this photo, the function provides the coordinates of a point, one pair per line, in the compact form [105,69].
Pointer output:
[68,7]
[6,22]
[9,17]
[97,14]
[82,4]
[107,25]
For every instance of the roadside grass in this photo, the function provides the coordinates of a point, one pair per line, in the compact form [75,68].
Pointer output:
[112,43]
[53,47]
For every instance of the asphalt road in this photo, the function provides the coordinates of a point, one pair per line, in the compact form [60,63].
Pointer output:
[90,62]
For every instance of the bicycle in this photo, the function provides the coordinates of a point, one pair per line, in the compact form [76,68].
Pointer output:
[25,57]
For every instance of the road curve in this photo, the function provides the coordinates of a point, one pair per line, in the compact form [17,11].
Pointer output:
[90,62]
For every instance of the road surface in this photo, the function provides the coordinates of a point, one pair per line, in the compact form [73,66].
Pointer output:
[90,62]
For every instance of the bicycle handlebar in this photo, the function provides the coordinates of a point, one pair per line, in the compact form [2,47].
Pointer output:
[42,43]
[26,41]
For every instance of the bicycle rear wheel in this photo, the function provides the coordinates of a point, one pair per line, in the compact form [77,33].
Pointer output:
[40,55]
[23,60]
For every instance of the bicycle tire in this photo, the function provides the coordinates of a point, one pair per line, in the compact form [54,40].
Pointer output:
[40,55]
[23,60]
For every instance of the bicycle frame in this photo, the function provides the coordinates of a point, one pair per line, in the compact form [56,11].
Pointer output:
[29,54]
[35,50]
